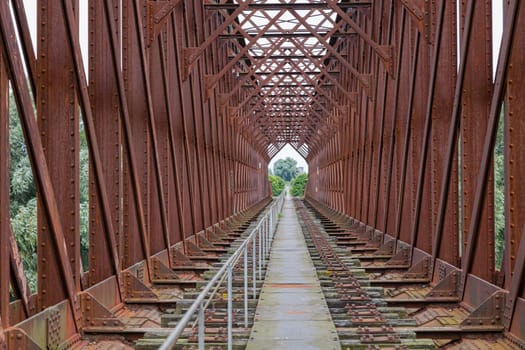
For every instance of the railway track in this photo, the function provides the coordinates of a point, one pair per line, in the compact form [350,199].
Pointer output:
[361,290]
[376,303]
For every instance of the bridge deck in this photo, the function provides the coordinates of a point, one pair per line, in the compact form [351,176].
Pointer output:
[292,312]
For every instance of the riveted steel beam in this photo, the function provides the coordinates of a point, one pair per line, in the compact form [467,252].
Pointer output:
[36,155]
[4,197]
[287,6]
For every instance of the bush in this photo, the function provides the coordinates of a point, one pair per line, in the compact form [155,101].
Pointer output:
[278,184]
[298,184]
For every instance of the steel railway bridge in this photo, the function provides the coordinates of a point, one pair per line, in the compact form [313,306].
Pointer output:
[394,104]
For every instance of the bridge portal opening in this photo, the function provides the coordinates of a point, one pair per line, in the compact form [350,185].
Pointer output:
[288,170]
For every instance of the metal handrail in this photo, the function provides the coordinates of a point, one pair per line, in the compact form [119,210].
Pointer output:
[264,232]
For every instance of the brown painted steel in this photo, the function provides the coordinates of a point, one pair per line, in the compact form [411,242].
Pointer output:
[106,124]
[476,95]
[405,151]
[447,241]
[4,198]
[514,134]
[415,229]
[58,123]
[37,158]
[184,103]
[27,48]
[451,143]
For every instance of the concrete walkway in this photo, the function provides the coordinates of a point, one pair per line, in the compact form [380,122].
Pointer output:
[292,312]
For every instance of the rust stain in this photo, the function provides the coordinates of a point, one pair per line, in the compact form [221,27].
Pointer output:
[296,312]
[289,285]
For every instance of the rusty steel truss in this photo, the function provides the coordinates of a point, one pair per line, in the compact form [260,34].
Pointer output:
[183,104]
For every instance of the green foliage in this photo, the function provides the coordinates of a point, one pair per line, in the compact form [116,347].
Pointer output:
[22,185]
[84,198]
[298,184]
[24,227]
[277,183]
[285,168]
[23,202]
[499,196]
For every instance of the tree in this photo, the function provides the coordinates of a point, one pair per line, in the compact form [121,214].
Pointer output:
[298,184]
[499,195]
[285,168]
[23,201]
[277,183]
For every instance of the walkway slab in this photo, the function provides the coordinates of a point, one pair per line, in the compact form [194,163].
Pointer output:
[292,312]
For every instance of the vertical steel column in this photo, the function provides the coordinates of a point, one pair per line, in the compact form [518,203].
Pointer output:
[514,136]
[175,191]
[427,130]
[392,124]
[37,158]
[448,242]
[195,101]
[450,154]
[158,225]
[230,307]
[417,190]
[91,138]
[103,94]
[219,151]
[475,105]
[4,197]
[159,142]
[177,24]
[140,244]
[405,150]
[381,145]
[377,29]
[203,124]
[515,14]
[59,130]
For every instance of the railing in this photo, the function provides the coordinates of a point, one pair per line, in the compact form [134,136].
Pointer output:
[263,235]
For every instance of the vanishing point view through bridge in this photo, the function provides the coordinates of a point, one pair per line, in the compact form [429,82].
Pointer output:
[262,174]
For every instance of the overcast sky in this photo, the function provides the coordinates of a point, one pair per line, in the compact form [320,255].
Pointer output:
[287,151]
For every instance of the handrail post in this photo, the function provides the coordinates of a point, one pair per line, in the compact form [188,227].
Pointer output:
[268,235]
[254,277]
[230,311]
[265,246]
[265,235]
[270,228]
[260,252]
[246,287]
[261,240]
[270,221]
[201,326]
